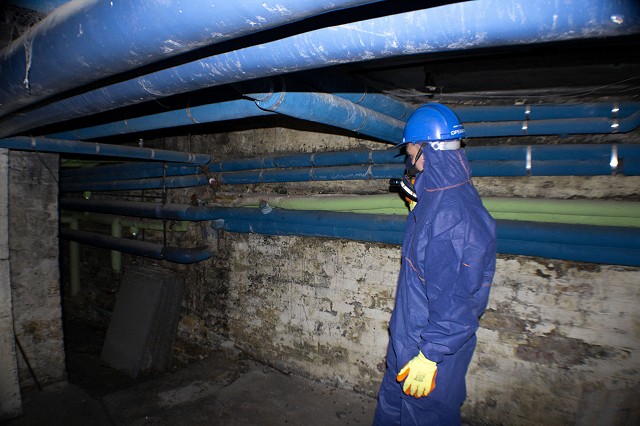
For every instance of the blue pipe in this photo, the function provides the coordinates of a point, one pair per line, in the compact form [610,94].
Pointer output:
[127,171]
[82,42]
[24,143]
[492,120]
[553,127]
[600,244]
[136,247]
[356,91]
[556,160]
[545,112]
[384,171]
[229,110]
[187,181]
[318,159]
[440,29]
[290,98]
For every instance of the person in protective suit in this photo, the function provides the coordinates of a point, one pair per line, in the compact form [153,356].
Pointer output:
[448,262]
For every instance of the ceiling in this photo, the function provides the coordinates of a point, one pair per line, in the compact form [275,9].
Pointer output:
[575,70]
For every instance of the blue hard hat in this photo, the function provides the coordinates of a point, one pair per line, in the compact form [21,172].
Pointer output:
[432,122]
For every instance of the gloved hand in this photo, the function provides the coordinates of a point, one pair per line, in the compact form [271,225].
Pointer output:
[420,375]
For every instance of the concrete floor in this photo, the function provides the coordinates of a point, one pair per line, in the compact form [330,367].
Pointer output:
[224,388]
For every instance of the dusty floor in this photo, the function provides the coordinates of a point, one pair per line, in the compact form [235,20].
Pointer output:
[222,389]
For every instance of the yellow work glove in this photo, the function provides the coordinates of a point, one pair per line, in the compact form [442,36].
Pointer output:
[420,375]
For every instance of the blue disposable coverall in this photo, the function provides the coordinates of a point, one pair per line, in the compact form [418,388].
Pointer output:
[448,262]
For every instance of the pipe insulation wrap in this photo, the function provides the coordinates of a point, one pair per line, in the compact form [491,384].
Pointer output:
[290,98]
[128,171]
[136,247]
[439,29]
[229,110]
[83,41]
[88,148]
[612,245]
[492,120]
[522,113]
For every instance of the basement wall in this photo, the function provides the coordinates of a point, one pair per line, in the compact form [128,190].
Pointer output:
[34,271]
[559,343]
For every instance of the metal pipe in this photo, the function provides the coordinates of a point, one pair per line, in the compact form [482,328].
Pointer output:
[439,29]
[138,248]
[83,41]
[41,144]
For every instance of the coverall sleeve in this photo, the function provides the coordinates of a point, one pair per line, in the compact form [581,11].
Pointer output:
[457,263]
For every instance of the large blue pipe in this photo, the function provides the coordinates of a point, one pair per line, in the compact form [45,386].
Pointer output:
[169,182]
[546,160]
[520,113]
[600,244]
[84,41]
[86,148]
[553,127]
[290,98]
[487,121]
[136,247]
[125,171]
[356,91]
[229,110]
[445,28]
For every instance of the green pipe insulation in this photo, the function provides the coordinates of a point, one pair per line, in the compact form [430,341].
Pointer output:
[585,212]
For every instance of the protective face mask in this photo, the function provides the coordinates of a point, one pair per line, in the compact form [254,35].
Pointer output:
[411,171]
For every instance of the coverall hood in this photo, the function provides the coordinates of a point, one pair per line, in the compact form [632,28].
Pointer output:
[444,169]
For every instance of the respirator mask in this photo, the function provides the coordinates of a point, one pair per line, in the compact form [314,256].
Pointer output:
[410,173]
[408,180]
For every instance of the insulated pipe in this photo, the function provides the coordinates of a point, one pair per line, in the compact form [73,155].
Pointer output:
[138,248]
[611,245]
[128,171]
[116,223]
[83,41]
[187,181]
[116,256]
[74,256]
[244,177]
[355,172]
[25,143]
[587,212]
[476,154]
[553,127]
[285,96]
[439,29]
[229,110]
[491,121]
[186,212]
[356,91]
[545,112]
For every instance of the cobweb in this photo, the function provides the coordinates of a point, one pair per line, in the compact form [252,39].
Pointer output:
[15,21]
